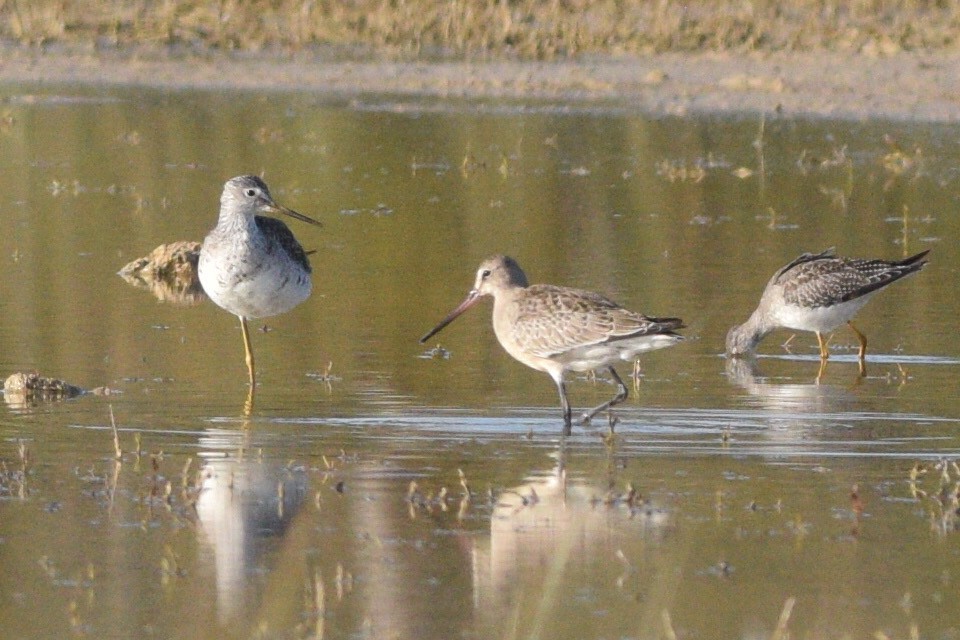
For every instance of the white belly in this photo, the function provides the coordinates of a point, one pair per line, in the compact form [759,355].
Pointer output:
[273,288]
[588,358]
[820,319]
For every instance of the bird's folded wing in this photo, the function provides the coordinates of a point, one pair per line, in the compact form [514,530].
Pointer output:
[557,320]
[825,282]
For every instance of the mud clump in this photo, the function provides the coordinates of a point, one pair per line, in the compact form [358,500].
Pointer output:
[25,387]
[169,272]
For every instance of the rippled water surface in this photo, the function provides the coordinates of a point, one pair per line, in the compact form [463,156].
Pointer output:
[733,495]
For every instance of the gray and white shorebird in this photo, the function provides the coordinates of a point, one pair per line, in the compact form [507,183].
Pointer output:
[559,329]
[252,265]
[818,293]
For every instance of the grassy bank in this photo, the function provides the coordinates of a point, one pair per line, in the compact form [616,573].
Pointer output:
[529,29]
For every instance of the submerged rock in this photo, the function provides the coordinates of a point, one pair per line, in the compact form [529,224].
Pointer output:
[21,388]
[169,272]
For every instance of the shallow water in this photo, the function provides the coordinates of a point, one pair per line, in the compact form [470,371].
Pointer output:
[757,486]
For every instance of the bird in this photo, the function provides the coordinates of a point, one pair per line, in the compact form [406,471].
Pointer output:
[252,265]
[559,329]
[818,292]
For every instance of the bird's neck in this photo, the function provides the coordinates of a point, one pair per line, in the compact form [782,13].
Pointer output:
[758,325]
[507,295]
[505,303]
[234,224]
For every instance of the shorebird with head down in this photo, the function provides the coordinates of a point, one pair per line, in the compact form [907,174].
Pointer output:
[818,293]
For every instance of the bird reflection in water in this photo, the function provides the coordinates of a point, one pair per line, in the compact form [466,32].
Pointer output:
[244,501]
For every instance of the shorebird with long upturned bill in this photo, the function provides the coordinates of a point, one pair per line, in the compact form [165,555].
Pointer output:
[252,265]
[818,293]
[559,329]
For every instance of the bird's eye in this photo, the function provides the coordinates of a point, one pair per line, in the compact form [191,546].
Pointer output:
[250,192]
[485,274]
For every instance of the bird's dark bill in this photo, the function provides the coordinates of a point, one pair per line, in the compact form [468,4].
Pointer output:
[468,302]
[295,214]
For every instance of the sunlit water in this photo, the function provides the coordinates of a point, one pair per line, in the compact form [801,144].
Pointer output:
[761,490]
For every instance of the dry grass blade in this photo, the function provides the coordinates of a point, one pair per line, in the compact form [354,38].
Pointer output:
[781,633]
[668,625]
[117,451]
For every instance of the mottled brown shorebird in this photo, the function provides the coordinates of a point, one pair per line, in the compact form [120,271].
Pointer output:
[251,265]
[818,293]
[558,329]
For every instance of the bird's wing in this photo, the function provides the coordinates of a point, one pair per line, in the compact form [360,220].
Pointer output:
[551,320]
[831,280]
[278,231]
[803,258]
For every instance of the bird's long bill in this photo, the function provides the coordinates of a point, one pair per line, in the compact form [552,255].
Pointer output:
[276,208]
[468,302]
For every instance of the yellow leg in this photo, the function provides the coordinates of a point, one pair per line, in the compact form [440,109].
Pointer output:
[249,350]
[863,341]
[824,352]
[863,349]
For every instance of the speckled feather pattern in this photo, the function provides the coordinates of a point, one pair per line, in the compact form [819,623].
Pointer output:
[550,320]
[824,279]
[278,234]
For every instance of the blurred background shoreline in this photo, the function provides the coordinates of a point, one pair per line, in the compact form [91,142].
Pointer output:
[887,59]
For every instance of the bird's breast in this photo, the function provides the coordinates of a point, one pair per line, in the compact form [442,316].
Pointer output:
[252,281]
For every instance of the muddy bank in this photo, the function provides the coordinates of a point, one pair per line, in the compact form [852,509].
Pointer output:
[903,86]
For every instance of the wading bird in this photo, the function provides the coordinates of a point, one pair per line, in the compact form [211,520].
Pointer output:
[251,265]
[558,329]
[818,293]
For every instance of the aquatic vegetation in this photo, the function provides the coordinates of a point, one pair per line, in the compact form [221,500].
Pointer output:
[680,171]
[939,495]
[13,478]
